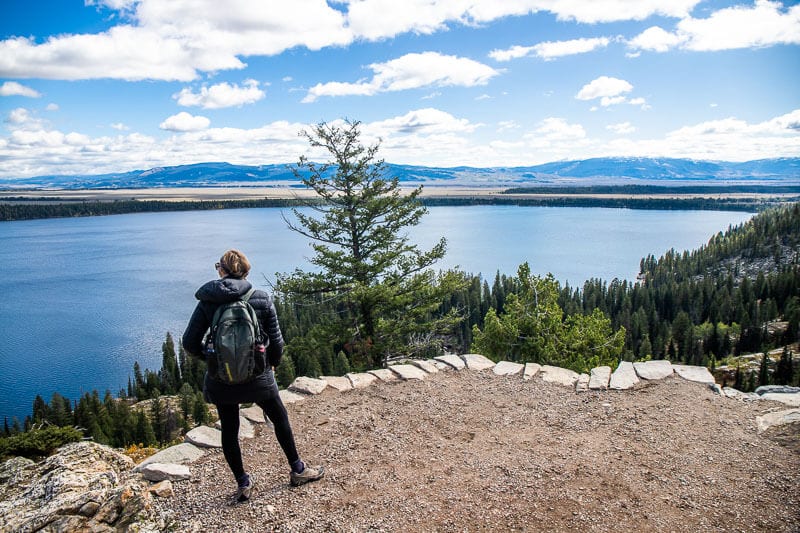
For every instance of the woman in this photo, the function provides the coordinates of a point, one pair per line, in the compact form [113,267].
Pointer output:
[233,268]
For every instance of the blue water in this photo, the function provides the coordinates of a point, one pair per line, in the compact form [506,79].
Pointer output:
[84,298]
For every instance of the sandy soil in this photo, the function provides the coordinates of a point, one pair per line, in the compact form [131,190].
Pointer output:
[471,451]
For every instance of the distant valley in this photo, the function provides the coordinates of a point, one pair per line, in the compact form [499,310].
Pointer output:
[581,173]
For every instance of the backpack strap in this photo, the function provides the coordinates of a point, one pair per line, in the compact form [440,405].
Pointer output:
[248,294]
[253,316]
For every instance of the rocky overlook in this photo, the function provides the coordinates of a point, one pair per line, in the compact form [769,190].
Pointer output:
[455,444]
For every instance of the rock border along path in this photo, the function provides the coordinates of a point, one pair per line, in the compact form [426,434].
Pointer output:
[626,376]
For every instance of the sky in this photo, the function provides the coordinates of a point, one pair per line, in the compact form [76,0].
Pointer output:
[101,86]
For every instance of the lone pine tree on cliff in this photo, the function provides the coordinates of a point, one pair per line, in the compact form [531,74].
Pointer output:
[385,292]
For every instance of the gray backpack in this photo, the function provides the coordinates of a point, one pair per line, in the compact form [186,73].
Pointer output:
[234,340]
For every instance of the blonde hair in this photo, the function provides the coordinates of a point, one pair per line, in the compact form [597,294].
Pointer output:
[235,264]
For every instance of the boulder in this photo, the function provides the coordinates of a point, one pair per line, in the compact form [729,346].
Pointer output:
[407,372]
[163,489]
[361,380]
[384,374]
[84,486]
[583,383]
[254,414]
[624,377]
[162,471]
[476,361]
[782,389]
[246,429]
[288,396]
[739,395]
[777,418]
[425,365]
[599,378]
[507,368]
[653,369]
[205,437]
[531,369]
[700,374]
[787,399]
[340,383]
[451,360]
[442,366]
[560,376]
[179,454]
[306,385]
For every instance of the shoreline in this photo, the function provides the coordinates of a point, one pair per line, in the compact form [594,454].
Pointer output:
[192,194]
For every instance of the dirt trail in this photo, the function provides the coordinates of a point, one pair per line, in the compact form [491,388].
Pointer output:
[471,451]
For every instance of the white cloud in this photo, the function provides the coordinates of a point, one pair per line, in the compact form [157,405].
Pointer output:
[765,23]
[286,79]
[641,102]
[378,19]
[112,4]
[51,107]
[180,39]
[18,116]
[119,126]
[183,121]
[604,86]
[410,71]
[656,39]
[176,40]
[12,88]
[484,96]
[424,137]
[431,96]
[550,50]
[420,121]
[515,52]
[505,125]
[623,128]
[221,95]
[558,129]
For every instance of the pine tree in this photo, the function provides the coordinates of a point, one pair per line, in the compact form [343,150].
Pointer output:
[138,380]
[763,371]
[60,411]
[326,362]
[738,381]
[285,373]
[157,417]
[144,430]
[645,348]
[169,374]
[308,365]
[384,285]
[785,369]
[200,409]
[124,426]
[340,365]
[751,382]
[40,410]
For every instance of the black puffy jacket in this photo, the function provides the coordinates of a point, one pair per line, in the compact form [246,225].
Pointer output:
[219,291]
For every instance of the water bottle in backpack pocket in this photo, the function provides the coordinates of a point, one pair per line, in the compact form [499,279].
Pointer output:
[235,340]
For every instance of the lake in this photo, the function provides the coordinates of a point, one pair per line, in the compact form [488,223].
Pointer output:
[84,298]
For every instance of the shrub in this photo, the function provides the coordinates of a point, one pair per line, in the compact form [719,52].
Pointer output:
[38,442]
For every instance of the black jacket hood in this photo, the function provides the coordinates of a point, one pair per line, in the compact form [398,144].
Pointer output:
[223,290]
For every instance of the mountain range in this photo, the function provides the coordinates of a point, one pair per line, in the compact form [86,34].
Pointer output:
[588,172]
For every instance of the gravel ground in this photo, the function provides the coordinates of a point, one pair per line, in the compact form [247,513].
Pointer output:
[471,451]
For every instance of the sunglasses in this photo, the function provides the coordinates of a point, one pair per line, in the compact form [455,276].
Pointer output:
[218,266]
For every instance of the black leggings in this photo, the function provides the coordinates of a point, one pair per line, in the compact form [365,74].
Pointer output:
[229,419]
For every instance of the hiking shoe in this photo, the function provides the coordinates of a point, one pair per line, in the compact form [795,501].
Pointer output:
[243,491]
[309,474]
